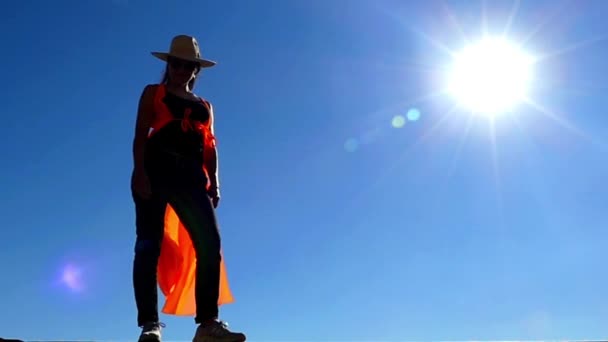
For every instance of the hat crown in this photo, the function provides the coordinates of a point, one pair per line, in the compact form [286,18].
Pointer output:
[184,46]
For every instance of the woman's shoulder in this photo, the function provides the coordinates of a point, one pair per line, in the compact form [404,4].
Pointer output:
[149,90]
[148,95]
[205,104]
[202,99]
[151,87]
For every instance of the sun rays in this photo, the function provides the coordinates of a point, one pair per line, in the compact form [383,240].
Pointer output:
[478,81]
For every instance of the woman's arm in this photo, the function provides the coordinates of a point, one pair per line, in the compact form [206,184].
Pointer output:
[145,112]
[211,158]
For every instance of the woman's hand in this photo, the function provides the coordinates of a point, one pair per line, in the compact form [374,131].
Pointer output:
[214,194]
[140,184]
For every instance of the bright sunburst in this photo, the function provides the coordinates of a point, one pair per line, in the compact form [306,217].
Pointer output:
[490,77]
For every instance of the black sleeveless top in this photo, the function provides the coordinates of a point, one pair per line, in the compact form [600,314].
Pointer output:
[172,138]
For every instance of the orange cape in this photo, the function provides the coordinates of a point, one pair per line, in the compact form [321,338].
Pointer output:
[177,270]
[177,261]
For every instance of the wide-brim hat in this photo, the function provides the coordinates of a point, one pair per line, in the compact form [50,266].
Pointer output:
[186,48]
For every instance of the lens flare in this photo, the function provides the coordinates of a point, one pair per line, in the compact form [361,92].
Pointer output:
[71,277]
[413,114]
[398,121]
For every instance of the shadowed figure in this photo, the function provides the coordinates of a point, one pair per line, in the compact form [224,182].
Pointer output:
[175,176]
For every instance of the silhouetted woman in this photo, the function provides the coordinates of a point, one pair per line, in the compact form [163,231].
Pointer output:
[175,162]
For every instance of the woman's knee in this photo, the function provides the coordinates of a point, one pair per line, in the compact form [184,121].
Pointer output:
[148,247]
[208,246]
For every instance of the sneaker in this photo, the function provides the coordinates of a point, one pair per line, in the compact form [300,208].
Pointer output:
[217,332]
[150,332]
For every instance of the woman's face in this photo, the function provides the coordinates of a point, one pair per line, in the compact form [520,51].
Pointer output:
[181,71]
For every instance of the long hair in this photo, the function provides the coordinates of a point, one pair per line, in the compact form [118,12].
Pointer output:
[165,78]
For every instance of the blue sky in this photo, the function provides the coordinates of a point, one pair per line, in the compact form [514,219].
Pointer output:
[336,225]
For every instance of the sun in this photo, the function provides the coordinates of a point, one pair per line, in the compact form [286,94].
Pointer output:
[490,77]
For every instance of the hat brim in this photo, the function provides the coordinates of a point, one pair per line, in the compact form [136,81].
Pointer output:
[204,63]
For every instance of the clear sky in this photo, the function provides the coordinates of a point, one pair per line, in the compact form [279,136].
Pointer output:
[340,219]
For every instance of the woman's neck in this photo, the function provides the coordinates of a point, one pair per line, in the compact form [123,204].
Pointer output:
[179,88]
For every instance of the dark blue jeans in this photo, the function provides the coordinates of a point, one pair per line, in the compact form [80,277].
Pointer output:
[180,182]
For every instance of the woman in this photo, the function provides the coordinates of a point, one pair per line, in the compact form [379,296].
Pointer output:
[176,164]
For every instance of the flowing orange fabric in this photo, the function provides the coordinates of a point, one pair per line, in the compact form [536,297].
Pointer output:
[177,261]
[177,270]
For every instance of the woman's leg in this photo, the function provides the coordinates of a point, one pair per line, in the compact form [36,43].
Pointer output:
[149,222]
[183,186]
[192,204]
[195,210]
